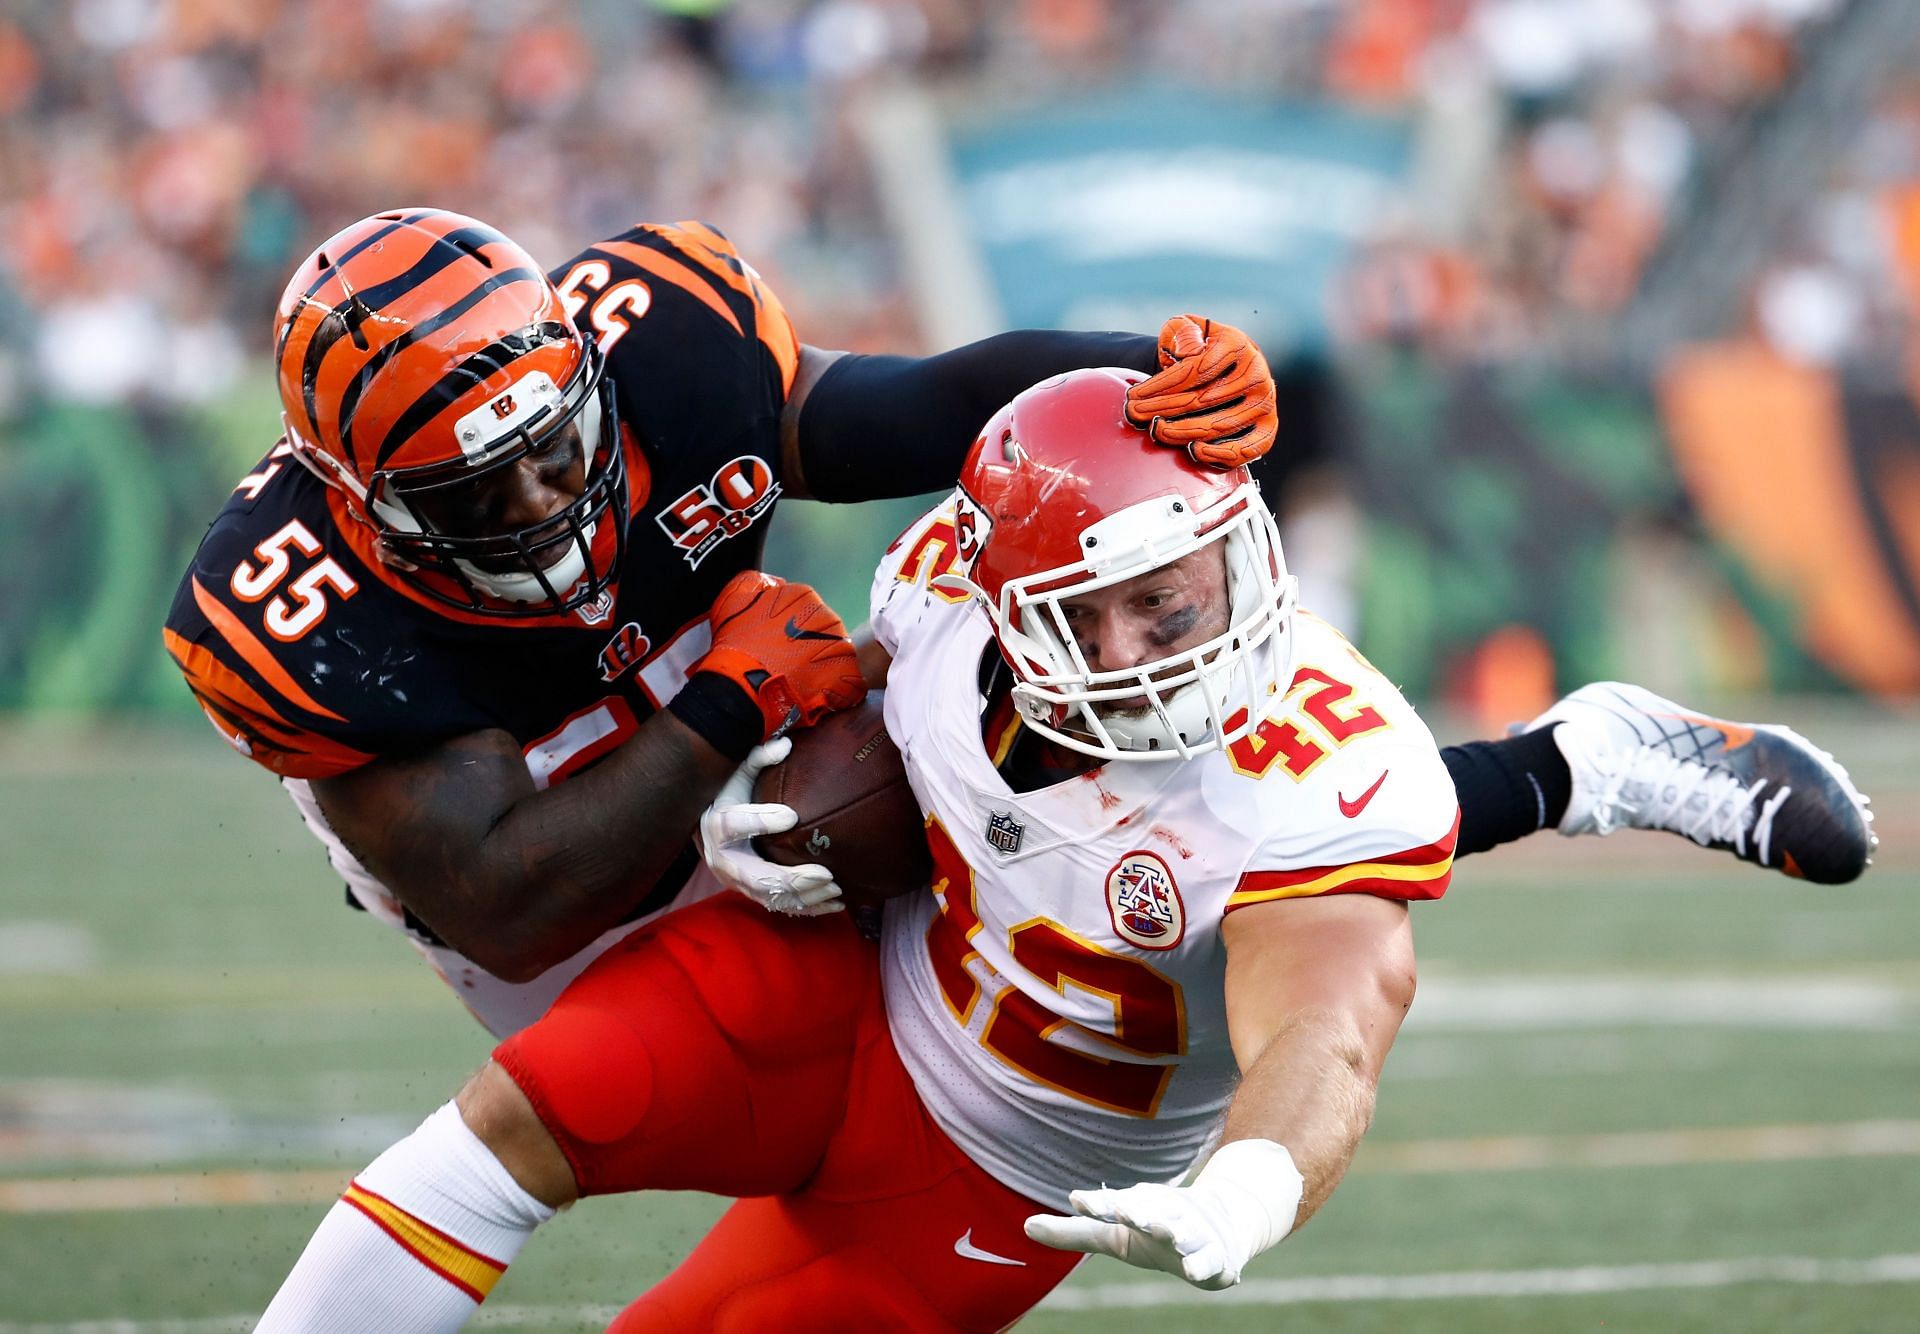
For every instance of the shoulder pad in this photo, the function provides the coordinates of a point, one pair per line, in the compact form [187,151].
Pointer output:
[682,271]
[278,630]
[903,585]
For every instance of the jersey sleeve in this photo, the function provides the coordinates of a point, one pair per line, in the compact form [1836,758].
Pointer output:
[903,588]
[293,649]
[1397,844]
[250,695]
[657,284]
[1358,799]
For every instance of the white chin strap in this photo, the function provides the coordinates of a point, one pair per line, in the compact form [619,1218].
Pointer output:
[525,585]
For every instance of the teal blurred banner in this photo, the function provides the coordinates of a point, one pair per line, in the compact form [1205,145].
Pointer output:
[1112,213]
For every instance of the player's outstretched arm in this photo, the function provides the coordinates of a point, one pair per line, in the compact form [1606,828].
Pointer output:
[1316,990]
[518,879]
[866,427]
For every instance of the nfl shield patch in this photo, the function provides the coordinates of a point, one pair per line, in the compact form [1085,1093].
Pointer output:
[1004,833]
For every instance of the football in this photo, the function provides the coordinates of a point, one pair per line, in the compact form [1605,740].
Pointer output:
[858,817]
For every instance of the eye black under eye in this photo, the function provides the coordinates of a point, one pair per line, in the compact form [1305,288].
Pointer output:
[1176,625]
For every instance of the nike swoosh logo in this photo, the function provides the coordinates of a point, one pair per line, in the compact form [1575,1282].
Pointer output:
[1733,734]
[966,1250]
[795,632]
[1351,809]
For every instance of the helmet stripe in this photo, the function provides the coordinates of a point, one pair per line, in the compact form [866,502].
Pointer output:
[337,261]
[350,401]
[344,318]
[474,370]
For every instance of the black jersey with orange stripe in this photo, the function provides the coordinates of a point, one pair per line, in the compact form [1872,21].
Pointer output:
[312,656]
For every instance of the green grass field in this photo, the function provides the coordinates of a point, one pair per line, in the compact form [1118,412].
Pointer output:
[1644,1088]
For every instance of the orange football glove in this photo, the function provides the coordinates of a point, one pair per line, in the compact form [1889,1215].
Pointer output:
[785,647]
[1214,395]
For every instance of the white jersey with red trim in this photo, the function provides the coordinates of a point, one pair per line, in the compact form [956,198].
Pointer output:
[1059,998]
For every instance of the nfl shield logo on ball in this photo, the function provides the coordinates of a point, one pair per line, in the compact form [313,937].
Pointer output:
[1004,833]
[1144,903]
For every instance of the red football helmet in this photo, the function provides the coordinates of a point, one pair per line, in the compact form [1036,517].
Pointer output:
[421,351]
[1060,496]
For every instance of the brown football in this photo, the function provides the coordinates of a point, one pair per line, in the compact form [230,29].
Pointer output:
[857,814]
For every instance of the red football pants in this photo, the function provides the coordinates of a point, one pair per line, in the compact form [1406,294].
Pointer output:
[727,1050]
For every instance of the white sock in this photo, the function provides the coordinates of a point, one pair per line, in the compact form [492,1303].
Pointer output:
[415,1244]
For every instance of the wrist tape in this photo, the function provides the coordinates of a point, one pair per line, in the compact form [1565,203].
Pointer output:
[721,712]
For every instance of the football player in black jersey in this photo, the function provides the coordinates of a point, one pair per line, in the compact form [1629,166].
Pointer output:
[490,607]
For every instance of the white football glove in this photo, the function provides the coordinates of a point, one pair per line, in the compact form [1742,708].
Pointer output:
[734,820]
[1243,1201]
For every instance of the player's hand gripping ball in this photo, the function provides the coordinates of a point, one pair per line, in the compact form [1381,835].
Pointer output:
[735,820]
[855,813]
[778,641]
[1214,395]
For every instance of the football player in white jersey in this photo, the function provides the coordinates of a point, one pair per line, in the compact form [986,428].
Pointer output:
[1173,847]
[1114,947]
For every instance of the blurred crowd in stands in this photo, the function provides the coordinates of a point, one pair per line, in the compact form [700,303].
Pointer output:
[1567,135]
[164,163]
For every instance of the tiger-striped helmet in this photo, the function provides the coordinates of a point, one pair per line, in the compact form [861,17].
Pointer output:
[420,353]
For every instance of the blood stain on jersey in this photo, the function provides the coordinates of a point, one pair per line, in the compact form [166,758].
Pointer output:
[1107,800]
[1004,833]
[1144,902]
[1172,840]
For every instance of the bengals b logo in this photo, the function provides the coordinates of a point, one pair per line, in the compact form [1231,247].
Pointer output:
[503,407]
[628,646]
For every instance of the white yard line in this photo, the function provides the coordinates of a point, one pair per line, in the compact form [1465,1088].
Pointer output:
[1771,1002]
[1587,1280]
[1497,1283]
[1654,1148]
[167,1190]
[1499,1153]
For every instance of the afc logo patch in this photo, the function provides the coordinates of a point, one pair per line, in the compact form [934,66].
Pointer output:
[1144,902]
[740,492]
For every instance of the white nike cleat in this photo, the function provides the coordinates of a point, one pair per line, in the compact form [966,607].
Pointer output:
[1760,791]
